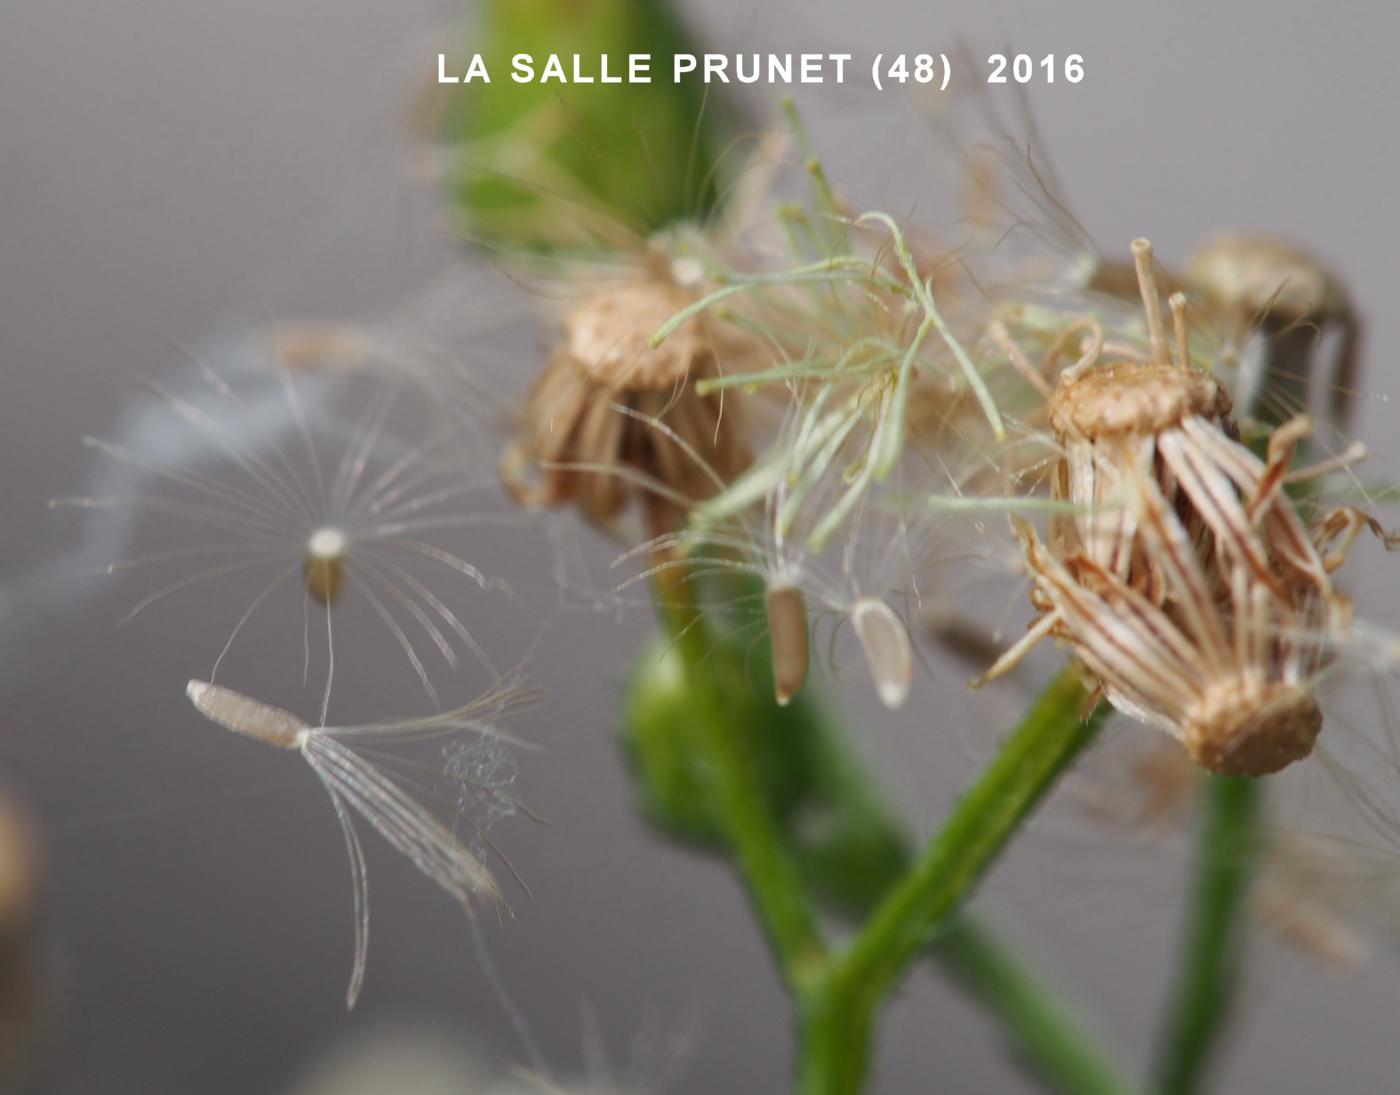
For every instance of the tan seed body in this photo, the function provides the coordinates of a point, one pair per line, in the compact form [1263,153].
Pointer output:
[786,610]
[243,715]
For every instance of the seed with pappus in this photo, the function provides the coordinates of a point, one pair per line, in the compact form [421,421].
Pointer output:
[311,478]
[355,775]
[865,577]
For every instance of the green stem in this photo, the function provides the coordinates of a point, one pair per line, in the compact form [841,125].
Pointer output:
[839,1011]
[1045,1034]
[1208,972]
[769,871]
[753,823]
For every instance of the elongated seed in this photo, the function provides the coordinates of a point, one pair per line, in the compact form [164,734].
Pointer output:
[885,641]
[325,578]
[235,711]
[323,565]
[787,633]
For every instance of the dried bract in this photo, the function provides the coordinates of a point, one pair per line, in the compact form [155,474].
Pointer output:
[1261,283]
[584,452]
[1183,576]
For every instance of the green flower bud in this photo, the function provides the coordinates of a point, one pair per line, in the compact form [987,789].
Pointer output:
[553,165]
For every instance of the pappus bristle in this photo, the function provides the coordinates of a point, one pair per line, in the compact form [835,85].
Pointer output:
[360,784]
[356,500]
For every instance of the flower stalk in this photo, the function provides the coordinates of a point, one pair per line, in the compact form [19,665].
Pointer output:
[910,905]
[839,1014]
[765,863]
[1211,948]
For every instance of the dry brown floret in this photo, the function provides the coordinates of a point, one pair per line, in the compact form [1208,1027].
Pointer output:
[584,452]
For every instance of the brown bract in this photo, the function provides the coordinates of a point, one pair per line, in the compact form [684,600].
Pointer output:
[1255,282]
[1181,574]
[1134,397]
[582,450]
[1277,281]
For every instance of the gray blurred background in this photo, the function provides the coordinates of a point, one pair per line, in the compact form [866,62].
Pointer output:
[170,170]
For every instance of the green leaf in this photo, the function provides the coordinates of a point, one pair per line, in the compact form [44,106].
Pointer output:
[554,165]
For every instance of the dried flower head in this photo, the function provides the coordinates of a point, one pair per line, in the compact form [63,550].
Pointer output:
[584,452]
[1277,281]
[353,772]
[1183,576]
[1255,283]
[1270,316]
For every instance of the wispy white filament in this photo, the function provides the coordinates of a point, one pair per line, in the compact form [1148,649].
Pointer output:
[358,786]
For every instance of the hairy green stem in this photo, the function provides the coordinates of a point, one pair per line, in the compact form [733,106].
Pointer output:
[736,733]
[765,863]
[838,1013]
[1208,969]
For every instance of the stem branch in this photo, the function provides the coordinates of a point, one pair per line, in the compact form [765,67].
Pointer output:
[765,863]
[838,1014]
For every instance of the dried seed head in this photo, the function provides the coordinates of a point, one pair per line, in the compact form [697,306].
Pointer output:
[588,454]
[608,337]
[1259,283]
[1279,283]
[1182,576]
[1135,398]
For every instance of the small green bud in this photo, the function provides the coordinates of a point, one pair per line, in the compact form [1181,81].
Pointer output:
[663,742]
[846,848]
